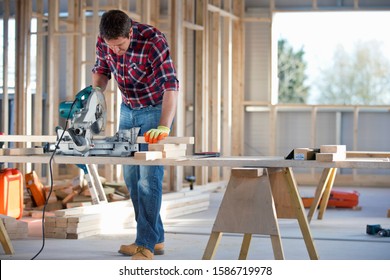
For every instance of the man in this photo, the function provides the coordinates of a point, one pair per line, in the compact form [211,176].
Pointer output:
[138,56]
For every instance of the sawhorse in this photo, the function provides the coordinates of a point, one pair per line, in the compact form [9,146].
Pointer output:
[5,240]
[322,193]
[254,199]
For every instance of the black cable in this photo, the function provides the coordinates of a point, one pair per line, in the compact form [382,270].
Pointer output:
[51,180]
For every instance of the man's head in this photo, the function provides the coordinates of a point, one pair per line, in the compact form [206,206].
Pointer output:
[115,29]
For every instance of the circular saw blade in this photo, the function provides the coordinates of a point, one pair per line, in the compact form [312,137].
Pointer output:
[100,112]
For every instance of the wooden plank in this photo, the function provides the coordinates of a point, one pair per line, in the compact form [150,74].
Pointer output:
[166,147]
[93,209]
[333,149]
[149,155]
[365,154]
[28,138]
[23,151]
[329,157]
[173,154]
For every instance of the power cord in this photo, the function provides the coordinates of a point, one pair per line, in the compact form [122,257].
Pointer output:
[51,181]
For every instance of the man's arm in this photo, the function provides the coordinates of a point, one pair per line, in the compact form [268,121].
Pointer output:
[168,109]
[99,80]
[168,112]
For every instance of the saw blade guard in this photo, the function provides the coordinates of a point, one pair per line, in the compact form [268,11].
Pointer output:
[94,117]
[89,118]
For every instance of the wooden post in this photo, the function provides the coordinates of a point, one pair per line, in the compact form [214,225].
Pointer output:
[5,116]
[238,81]
[201,87]
[215,86]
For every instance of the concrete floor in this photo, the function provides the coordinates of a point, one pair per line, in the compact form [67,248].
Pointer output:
[340,235]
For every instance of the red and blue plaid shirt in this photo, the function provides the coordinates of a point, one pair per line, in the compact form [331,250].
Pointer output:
[144,72]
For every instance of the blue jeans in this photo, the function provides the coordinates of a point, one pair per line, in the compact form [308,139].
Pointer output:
[144,182]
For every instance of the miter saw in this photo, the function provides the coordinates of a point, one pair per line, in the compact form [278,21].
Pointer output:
[87,117]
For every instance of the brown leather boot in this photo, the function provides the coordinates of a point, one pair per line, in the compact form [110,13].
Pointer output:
[142,254]
[131,249]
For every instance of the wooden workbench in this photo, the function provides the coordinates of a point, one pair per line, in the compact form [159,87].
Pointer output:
[262,188]
[272,176]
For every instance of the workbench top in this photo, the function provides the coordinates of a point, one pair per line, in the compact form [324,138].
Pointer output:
[226,161]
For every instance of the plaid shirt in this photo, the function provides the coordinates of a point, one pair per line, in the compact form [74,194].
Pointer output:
[144,72]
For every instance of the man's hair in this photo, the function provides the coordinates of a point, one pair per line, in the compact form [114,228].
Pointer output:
[115,24]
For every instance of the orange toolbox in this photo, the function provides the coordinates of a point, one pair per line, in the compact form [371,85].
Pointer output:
[11,189]
[338,199]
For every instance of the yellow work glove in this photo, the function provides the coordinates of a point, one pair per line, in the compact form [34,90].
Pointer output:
[156,134]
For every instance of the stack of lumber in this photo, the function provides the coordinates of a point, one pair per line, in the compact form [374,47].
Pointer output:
[67,195]
[80,222]
[16,229]
[173,147]
[329,153]
[183,203]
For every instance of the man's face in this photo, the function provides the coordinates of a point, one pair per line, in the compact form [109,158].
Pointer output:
[119,45]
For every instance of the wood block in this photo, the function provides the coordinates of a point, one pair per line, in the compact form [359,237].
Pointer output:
[304,154]
[174,153]
[329,157]
[149,155]
[69,197]
[333,149]
[166,147]
[61,222]
[247,172]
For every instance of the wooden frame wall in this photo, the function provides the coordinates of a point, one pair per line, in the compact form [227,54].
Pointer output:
[218,93]
[74,32]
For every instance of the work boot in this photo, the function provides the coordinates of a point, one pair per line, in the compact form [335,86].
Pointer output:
[142,254]
[131,249]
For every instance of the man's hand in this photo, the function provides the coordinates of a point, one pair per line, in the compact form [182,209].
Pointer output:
[156,134]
